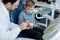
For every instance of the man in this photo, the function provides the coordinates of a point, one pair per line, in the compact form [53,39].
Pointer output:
[9,30]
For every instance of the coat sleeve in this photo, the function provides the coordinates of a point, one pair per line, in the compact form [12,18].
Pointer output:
[5,33]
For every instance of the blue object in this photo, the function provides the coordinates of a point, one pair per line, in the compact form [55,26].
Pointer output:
[15,13]
[24,16]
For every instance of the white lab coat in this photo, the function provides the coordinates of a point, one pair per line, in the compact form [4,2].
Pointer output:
[8,30]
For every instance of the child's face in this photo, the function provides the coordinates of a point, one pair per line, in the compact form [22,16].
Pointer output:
[29,9]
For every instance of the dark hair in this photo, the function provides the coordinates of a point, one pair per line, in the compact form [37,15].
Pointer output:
[7,1]
[29,3]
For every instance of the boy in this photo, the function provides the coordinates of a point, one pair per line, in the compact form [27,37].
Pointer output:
[29,16]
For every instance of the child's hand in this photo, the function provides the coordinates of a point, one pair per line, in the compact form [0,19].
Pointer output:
[31,25]
[23,26]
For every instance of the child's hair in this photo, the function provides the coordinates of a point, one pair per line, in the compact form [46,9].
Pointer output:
[30,3]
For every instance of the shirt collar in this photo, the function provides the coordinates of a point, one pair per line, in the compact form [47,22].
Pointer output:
[27,13]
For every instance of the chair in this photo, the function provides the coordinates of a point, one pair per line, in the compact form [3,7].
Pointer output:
[15,13]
